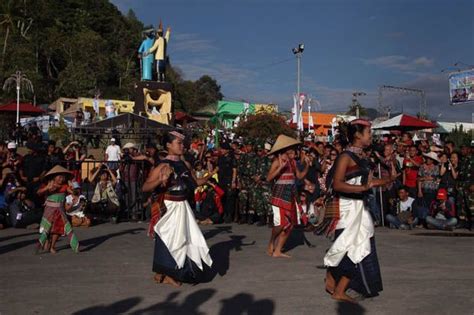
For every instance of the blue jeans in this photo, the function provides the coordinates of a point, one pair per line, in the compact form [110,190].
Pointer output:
[397,223]
[441,224]
[374,207]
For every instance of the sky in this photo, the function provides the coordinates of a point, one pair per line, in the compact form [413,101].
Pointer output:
[350,45]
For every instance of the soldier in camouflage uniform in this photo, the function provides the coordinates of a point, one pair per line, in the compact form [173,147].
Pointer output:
[262,188]
[246,171]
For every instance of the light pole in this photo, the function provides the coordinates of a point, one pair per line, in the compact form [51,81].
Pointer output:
[298,52]
[18,79]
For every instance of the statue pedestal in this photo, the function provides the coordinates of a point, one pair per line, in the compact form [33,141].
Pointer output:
[153,100]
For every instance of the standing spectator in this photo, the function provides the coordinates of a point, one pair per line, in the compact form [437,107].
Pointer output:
[387,164]
[411,165]
[129,173]
[428,178]
[74,155]
[79,118]
[227,180]
[54,157]
[113,155]
[442,213]
[449,171]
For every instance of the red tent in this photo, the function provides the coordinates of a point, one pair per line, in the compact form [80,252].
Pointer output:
[181,118]
[404,122]
[25,108]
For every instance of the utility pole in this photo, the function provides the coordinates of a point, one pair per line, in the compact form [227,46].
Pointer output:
[298,51]
[356,103]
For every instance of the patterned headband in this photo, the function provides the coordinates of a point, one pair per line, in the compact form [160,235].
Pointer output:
[177,135]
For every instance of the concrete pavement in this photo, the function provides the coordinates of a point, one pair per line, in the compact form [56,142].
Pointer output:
[422,274]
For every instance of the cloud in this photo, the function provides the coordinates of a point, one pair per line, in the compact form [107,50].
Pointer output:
[404,64]
[191,43]
[224,73]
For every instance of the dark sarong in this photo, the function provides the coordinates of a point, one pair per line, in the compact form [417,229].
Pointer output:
[164,263]
[365,276]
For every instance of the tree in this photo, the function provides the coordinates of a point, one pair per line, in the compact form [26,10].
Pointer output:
[264,126]
[459,136]
[207,92]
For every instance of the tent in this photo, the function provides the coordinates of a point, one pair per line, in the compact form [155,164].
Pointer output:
[25,109]
[404,122]
[129,124]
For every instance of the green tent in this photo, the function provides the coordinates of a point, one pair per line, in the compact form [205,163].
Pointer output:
[229,111]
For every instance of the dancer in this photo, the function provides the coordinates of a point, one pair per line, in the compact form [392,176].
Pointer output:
[180,247]
[284,171]
[352,259]
[54,222]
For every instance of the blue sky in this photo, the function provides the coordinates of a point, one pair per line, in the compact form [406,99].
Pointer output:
[349,45]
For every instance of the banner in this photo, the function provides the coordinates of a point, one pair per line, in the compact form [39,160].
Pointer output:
[461,87]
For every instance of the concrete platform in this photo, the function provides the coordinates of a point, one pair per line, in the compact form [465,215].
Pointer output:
[423,274]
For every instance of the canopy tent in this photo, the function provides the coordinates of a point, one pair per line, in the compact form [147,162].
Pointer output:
[128,124]
[404,122]
[25,109]
[183,118]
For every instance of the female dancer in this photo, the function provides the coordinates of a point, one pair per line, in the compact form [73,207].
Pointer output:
[352,258]
[284,171]
[54,222]
[180,247]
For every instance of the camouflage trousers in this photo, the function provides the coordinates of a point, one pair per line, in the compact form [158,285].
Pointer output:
[246,200]
[262,200]
[463,202]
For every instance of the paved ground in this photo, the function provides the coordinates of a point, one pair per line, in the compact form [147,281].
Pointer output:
[422,275]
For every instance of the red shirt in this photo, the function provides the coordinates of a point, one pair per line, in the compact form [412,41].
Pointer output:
[411,171]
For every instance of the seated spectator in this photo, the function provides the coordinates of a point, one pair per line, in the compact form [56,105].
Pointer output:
[75,205]
[22,211]
[442,214]
[211,207]
[403,216]
[105,200]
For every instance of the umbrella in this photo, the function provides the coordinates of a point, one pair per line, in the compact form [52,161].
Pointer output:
[404,122]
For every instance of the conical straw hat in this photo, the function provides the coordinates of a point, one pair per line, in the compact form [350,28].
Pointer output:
[58,170]
[283,142]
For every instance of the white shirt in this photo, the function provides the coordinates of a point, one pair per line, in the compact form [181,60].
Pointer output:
[113,152]
[405,205]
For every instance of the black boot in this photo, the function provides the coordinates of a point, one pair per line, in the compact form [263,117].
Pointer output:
[243,219]
[262,220]
[250,219]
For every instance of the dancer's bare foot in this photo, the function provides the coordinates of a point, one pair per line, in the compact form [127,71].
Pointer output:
[280,255]
[343,298]
[171,281]
[270,249]
[52,251]
[330,283]
[158,278]
[46,246]
[330,288]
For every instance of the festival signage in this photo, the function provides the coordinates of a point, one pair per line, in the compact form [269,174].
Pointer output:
[461,87]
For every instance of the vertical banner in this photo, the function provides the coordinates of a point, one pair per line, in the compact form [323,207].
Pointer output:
[294,111]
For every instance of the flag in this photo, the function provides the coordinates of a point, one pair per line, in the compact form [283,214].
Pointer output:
[294,111]
[95,104]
